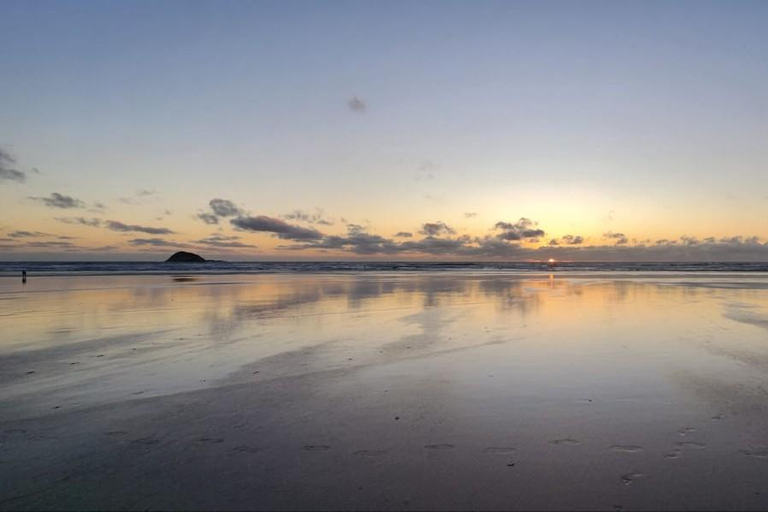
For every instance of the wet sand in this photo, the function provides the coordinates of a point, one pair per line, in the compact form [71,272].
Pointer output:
[388,391]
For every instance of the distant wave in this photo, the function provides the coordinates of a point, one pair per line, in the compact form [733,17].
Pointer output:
[128,268]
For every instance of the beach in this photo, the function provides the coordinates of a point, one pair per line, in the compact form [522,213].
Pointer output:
[385,390]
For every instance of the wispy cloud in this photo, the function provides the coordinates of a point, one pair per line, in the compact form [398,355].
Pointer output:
[56,200]
[27,234]
[7,170]
[127,228]
[318,217]
[278,227]
[357,105]
[208,218]
[155,242]
[224,242]
[142,196]
[83,221]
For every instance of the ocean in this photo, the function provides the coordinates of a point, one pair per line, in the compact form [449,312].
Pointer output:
[160,268]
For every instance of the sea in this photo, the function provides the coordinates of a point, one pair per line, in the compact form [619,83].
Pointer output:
[272,267]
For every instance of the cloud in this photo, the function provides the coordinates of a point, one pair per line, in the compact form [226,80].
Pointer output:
[126,228]
[522,229]
[404,234]
[357,105]
[312,218]
[278,227]
[426,171]
[155,242]
[142,196]
[620,238]
[573,240]
[436,228]
[208,218]
[220,208]
[27,234]
[225,208]
[469,215]
[93,222]
[50,244]
[7,172]
[359,242]
[56,200]
[223,241]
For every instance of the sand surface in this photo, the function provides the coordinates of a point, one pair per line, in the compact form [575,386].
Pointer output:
[390,391]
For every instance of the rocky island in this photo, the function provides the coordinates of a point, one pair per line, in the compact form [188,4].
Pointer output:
[185,257]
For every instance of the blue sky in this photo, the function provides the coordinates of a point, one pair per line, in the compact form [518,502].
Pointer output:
[644,118]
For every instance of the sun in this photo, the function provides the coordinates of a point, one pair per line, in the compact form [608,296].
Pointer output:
[551,260]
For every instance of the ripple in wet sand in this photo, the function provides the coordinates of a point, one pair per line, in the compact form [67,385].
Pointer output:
[566,441]
[691,444]
[759,454]
[247,449]
[370,453]
[213,440]
[317,448]
[626,448]
[439,447]
[500,449]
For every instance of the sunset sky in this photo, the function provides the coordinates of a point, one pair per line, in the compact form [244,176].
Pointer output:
[384,130]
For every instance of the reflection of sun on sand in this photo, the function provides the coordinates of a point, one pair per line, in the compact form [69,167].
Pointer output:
[275,390]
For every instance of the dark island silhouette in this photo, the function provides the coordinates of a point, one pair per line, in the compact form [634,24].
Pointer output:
[185,257]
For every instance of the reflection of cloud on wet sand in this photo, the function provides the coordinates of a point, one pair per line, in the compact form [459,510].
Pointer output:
[746,314]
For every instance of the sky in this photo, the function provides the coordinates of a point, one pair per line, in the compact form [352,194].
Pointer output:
[384,130]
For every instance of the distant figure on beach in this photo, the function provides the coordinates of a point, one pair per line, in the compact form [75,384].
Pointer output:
[23,276]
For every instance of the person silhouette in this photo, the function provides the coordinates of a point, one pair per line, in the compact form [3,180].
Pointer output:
[23,276]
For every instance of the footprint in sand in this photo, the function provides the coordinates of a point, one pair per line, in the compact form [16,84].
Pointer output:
[685,431]
[439,447]
[626,448]
[502,450]
[370,453]
[674,454]
[563,442]
[317,448]
[630,477]
[247,449]
[758,454]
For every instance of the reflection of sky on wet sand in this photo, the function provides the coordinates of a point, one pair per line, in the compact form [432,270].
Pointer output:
[597,383]
[161,334]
